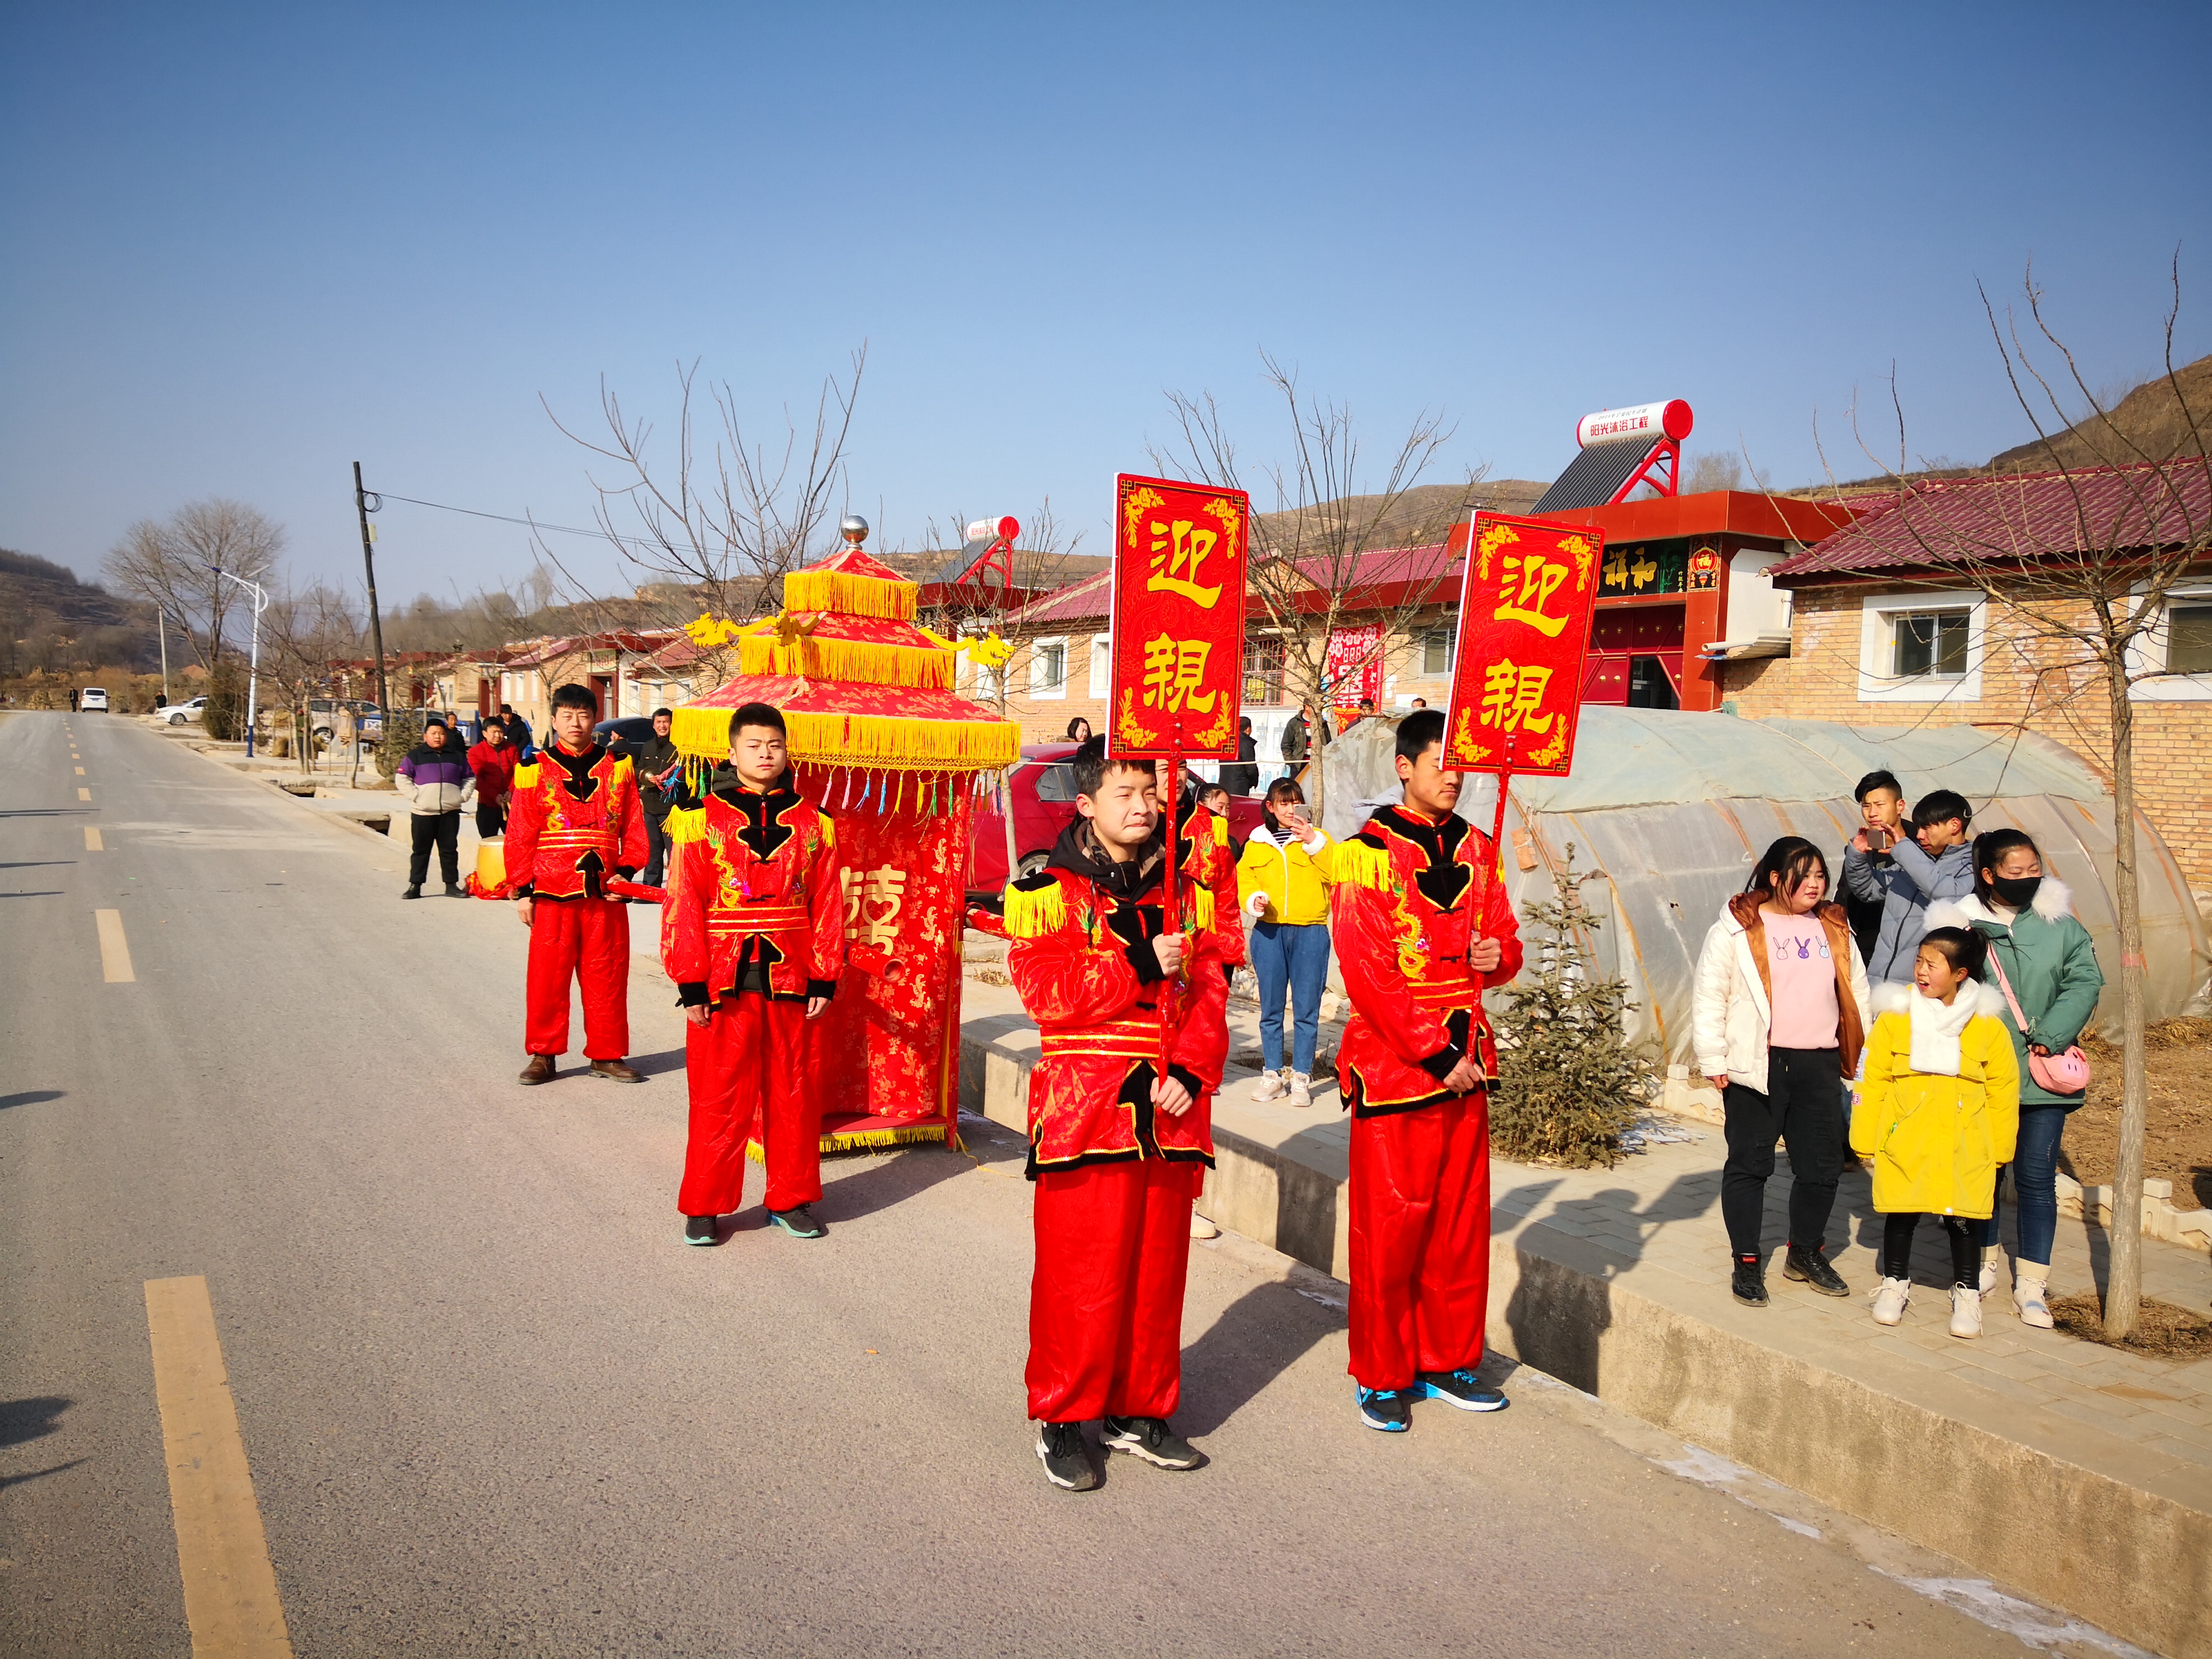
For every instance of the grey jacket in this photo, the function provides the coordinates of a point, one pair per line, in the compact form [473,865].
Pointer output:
[1905,881]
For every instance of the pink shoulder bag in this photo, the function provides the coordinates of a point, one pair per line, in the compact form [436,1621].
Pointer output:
[2062,1074]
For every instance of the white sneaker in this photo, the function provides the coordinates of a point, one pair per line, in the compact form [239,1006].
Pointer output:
[1990,1277]
[1270,1086]
[1889,1300]
[1301,1089]
[1201,1228]
[2032,1295]
[1966,1311]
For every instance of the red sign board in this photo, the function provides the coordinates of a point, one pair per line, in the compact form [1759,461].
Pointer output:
[1354,666]
[1178,619]
[1524,623]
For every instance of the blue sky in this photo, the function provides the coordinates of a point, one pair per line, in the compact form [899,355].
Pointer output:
[248,247]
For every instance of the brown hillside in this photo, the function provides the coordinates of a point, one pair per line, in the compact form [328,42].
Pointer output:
[2150,423]
[1425,512]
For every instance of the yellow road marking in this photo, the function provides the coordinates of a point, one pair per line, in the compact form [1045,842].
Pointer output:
[80,771]
[114,949]
[92,841]
[84,794]
[230,1588]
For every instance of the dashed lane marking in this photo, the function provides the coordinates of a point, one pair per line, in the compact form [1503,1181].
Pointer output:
[80,771]
[230,1588]
[92,841]
[114,949]
[84,794]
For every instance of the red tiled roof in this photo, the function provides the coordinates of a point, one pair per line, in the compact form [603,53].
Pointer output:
[2015,517]
[1091,598]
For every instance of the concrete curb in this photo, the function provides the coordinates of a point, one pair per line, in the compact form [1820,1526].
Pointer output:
[334,819]
[2132,1554]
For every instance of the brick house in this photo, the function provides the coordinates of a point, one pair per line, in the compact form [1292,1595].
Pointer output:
[1881,634]
[625,671]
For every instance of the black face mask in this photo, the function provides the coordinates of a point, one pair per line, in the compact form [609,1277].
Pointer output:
[2018,891]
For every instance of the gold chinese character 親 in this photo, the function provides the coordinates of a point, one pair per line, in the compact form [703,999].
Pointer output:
[1173,671]
[1512,693]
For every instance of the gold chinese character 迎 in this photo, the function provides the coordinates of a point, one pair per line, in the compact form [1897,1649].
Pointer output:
[1179,548]
[1526,588]
[874,899]
[1511,695]
[1174,670]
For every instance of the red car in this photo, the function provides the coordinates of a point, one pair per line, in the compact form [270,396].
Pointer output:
[1045,804]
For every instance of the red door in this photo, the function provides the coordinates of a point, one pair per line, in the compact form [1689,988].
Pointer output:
[1635,657]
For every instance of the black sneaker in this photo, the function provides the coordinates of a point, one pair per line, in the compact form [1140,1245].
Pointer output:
[414,890]
[1066,1459]
[799,1221]
[1813,1268]
[1749,1285]
[455,890]
[1151,1439]
[701,1230]
[1460,1387]
[1390,1410]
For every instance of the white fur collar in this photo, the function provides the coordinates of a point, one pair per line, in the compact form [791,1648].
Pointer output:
[1897,998]
[2053,899]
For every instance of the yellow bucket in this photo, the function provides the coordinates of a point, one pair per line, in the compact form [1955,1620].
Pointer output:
[491,863]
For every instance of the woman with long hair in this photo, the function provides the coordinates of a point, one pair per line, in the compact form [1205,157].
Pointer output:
[1778,1018]
[1283,882]
[1079,730]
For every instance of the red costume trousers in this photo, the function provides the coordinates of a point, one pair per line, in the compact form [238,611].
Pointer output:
[1420,1240]
[751,1075]
[1113,1250]
[586,939]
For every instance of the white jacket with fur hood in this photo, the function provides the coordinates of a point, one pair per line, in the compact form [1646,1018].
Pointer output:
[1729,1011]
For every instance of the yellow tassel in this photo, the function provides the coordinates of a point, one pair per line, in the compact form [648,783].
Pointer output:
[1220,830]
[862,1140]
[687,824]
[863,661]
[1035,914]
[828,833]
[1201,909]
[702,733]
[882,742]
[526,775]
[855,596]
[1355,862]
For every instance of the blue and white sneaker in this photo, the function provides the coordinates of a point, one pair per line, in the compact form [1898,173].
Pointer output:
[1390,1410]
[1460,1388]
[799,1221]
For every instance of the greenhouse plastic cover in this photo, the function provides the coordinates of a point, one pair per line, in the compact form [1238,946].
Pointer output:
[1673,809]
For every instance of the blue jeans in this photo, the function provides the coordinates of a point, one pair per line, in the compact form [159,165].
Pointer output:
[1296,957]
[2034,1168]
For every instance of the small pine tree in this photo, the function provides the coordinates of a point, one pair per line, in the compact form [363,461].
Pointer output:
[224,717]
[1570,1084]
[403,730]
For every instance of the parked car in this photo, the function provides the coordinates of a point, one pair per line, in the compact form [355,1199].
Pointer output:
[92,699]
[630,728]
[1043,786]
[323,713]
[186,714]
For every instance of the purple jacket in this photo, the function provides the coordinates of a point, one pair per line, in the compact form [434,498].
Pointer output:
[435,780]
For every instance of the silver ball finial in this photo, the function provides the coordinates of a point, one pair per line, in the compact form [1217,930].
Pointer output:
[853,529]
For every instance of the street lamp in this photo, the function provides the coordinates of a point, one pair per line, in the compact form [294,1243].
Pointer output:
[254,669]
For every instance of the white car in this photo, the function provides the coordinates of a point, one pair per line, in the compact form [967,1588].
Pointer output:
[91,697]
[182,714]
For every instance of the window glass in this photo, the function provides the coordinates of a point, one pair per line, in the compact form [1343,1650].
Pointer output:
[1649,685]
[1436,647]
[1052,667]
[2189,639]
[1931,643]
[1056,783]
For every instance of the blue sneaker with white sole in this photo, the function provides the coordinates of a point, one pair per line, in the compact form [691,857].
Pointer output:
[799,1221]
[1460,1387]
[1390,1410]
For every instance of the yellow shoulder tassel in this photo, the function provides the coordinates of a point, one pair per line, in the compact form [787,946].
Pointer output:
[1357,863]
[1220,830]
[687,824]
[1201,909]
[829,830]
[526,775]
[1036,911]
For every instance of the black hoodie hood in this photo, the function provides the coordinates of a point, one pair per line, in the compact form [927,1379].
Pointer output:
[1078,852]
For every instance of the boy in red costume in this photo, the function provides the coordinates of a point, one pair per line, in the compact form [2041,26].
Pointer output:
[1422,924]
[753,933]
[574,821]
[1117,1151]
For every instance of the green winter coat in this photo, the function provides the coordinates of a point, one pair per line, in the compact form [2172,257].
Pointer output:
[2052,966]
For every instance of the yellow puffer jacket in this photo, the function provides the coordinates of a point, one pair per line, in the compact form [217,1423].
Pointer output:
[1293,880]
[1937,1140]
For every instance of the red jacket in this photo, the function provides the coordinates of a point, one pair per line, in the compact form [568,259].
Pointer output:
[1082,957]
[574,820]
[1412,899]
[755,900]
[494,765]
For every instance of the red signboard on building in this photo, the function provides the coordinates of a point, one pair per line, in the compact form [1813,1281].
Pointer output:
[1178,619]
[1524,623]
[1354,666]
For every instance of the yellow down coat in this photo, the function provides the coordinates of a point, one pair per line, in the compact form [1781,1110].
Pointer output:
[1937,1141]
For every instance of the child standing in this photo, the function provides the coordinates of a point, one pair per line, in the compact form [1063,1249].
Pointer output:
[1938,1113]
[1284,878]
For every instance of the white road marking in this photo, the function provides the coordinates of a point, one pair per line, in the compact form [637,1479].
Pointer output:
[114,949]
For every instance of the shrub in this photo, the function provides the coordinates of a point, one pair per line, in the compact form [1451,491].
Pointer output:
[1569,1085]
[403,730]
[224,718]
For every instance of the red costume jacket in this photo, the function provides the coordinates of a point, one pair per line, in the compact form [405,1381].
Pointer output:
[1082,957]
[754,901]
[572,822]
[1411,898]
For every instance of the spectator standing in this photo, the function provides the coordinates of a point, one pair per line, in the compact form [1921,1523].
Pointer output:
[518,729]
[1907,875]
[1938,1113]
[1283,881]
[1882,820]
[492,763]
[1079,730]
[1241,776]
[654,761]
[2044,970]
[1776,1018]
[1302,733]
[435,777]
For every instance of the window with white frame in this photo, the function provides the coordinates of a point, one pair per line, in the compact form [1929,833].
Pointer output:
[1922,648]
[1438,646]
[2173,659]
[1048,668]
[1102,665]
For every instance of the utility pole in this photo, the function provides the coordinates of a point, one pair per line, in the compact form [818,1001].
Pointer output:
[368,561]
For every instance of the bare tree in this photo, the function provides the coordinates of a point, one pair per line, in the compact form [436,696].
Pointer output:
[1715,469]
[172,565]
[1310,564]
[308,642]
[2081,593]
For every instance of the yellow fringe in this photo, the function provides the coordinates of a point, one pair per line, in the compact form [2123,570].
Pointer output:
[882,743]
[526,775]
[1032,915]
[855,596]
[862,1140]
[1201,909]
[829,832]
[862,660]
[687,824]
[702,733]
[1220,830]
[1361,865]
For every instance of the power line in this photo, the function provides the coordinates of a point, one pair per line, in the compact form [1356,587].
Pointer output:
[506,518]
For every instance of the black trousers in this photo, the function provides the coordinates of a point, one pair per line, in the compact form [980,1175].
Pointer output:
[1965,1246]
[490,820]
[1803,1105]
[656,841]
[443,831]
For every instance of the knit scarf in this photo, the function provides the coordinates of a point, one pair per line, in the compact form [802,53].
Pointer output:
[1935,1031]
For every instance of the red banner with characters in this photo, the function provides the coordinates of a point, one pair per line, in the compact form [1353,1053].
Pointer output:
[1354,666]
[1524,623]
[1178,618]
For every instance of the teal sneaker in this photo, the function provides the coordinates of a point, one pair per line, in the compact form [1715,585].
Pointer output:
[1460,1388]
[1390,1410]
[799,1221]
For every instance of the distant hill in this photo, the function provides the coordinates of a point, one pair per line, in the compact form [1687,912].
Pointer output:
[2149,419]
[1424,513]
[40,599]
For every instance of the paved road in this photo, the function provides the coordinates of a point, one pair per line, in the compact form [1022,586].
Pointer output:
[492,1405]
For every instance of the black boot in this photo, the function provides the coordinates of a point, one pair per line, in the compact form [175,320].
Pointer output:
[1749,1284]
[414,890]
[1811,1266]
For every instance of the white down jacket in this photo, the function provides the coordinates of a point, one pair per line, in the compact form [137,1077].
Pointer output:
[1730,1015]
